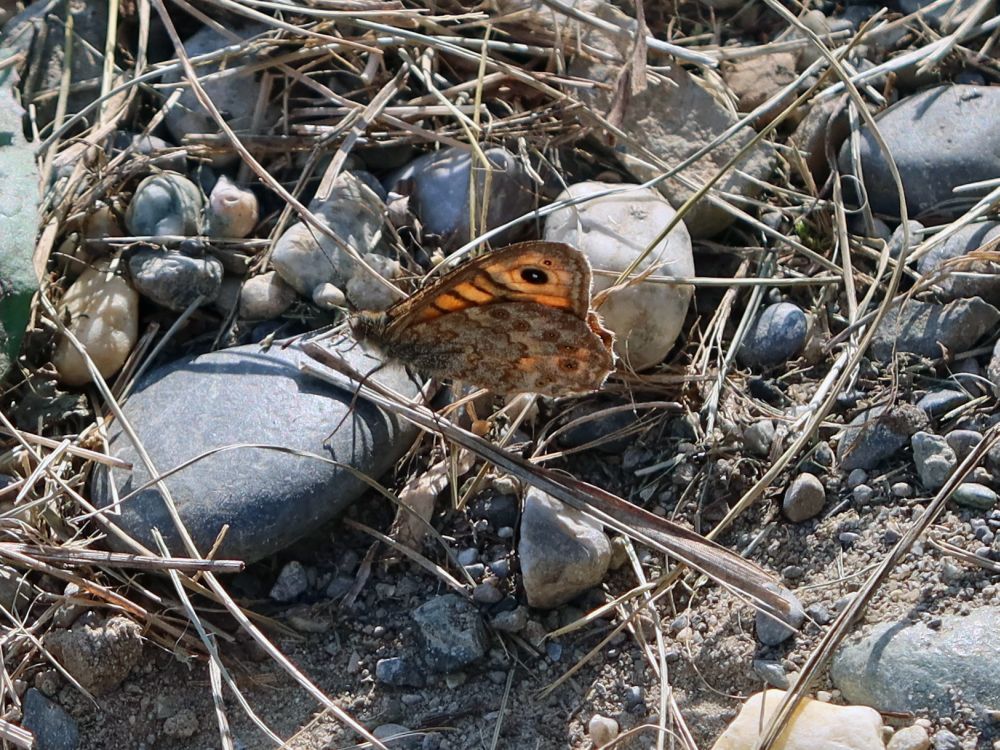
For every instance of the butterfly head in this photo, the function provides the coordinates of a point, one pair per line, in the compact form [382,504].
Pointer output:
[369,326]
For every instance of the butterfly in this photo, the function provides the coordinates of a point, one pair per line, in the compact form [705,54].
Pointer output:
[513,320]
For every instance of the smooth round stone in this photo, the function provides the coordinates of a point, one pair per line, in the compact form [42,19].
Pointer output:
[776,337]
[103,312]
[771,631]
[910,738]
[175,280]
[936,403]
[856,478]
[165,204]
[975,495]
[438,187]
[612,231]
[933,157]
[900,666]
[603,730]
[269,498]
[265,296]
[804,498]
[963,442]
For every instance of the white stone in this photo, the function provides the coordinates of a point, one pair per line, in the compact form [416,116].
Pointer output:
[814,726]
[265,296]
[103,313]
[910,738]
[612,231]
[603,730]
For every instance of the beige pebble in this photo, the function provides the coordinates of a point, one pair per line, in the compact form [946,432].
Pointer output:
[103,313]
[813,725]
[603,730]
[910,738]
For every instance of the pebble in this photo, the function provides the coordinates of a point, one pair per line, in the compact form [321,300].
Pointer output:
[901,666]
[929,329]
[758,437]
[512,621]
[877,434]
[232,211]
[235,94]
[487,593]
[244,395]
[862,494]
[173,279]
[307,259]
[986,282]
[437,184]
[910,738]
[945,740]
[54,729]
[99,654]
[937,403]
[963,442]
[405,740]
[634,696]
[930,166]
[856,478]
[896,241]
[399,671]
[771,672]
[824,126]
[901,489]
[612,231]
[818,614]
[815,725]
[804,498]
[182,725]
[934,459]
[563,552]
[103,312]
[603,730]
[974,495]
[265,296]
[292,583]
[167,203]
[776,337]
[771,631]
[451,632]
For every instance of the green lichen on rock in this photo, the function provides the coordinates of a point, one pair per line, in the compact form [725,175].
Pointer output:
[18,220]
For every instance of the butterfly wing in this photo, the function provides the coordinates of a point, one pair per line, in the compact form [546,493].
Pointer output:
[512,347]
[551,274]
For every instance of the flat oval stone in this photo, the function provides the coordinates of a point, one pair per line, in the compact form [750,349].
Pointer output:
[268,497]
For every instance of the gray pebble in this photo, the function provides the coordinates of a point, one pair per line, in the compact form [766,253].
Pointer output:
[777,336]
[804,498]
[452,632]
[973,495]
[487,593]
[901,489]
[936,403]
[758,437]
[512,621]
[54,729]
[771,631]
[934,459]
[962,442]
[292,582]
[863,494]
[399,671]
[467,556]
[945,740]
[771,672]
[856,477]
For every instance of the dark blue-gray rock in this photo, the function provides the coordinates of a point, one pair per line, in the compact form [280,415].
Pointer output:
[19,198]
[775,337]
[804,498]
[438,187]
[936,403]
[770,630]
[451,632]
[499,509]
[167,203]
[903,667]
[54,729]
[825,126]
[930,330]
[969,277]
[771,672]
[268,497]
[916,234]
[974,495]
[932,155]
[563,552]
[597,424]
[877,434]
[173,279]
[511,621]
[399,671]
[934,459]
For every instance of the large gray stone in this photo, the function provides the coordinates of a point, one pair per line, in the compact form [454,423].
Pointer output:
[932,154]
[985,284]
[931,330]
[904,667]
[268,497]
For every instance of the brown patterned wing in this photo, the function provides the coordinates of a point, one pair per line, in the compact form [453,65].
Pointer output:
[550,274]
[511,347]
